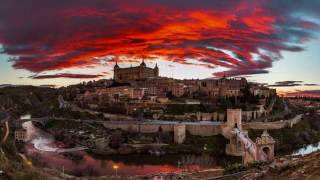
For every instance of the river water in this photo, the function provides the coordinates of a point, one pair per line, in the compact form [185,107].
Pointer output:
[43,150]
[307,149]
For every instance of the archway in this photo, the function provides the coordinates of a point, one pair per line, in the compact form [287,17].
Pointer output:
[267,151]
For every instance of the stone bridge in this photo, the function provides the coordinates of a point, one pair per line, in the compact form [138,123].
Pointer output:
[241,145]
[42,121]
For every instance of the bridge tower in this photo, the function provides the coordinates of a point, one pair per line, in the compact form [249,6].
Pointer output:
[234,120]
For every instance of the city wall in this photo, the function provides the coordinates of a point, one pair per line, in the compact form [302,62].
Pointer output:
[273,125]
[265,125]
[196,129]
[247,116]
[138,127]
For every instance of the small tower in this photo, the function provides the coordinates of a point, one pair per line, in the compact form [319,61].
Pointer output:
[143,64]
[115,70]
[116,66]
[156,70]
[265,147]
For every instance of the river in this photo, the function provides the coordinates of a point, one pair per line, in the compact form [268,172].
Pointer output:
[43,150]
[307,149]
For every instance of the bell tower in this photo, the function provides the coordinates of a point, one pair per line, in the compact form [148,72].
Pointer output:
[115,71]
[156,70]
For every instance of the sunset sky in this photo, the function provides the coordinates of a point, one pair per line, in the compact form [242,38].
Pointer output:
[65,42]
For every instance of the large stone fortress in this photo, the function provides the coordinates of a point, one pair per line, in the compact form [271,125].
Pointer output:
[135,73]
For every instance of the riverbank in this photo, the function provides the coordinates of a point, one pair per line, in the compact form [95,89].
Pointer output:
[289,139]
[284,168]
[289,168]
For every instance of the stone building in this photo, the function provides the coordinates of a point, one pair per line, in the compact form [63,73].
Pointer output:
[221,87]
[134,73]
[20,135]
[158,86]
[262,91]
[177,89]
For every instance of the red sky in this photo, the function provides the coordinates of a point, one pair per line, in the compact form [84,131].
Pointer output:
[245,37]
[50,38]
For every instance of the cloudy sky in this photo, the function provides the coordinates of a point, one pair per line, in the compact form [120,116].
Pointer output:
[65,42]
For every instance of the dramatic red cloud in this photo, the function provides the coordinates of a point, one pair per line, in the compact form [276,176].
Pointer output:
[243,36]
[67,75]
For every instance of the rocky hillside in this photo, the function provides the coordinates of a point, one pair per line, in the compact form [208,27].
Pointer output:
[298,168]
[28,99]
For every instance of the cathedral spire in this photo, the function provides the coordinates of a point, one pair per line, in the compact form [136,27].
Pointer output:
[116,65]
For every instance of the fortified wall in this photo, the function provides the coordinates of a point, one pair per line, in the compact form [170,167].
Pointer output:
[196,129]
[247,116]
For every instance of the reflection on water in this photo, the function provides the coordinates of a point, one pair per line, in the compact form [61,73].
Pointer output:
[42,150]
[90,166]
[40,139]
[308,149]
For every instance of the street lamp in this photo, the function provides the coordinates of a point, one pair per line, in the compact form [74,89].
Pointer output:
[116,167]
[29,163]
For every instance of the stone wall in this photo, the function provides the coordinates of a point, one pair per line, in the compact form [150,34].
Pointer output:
[199,129]
[247,116]
[265,125]
[204,130]
[193,129]
[273,125]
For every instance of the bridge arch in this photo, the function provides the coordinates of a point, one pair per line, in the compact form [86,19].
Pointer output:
[268,151]
[265,147]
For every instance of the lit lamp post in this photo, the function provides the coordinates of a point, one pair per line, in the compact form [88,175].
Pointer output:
[29,163]
[116,167]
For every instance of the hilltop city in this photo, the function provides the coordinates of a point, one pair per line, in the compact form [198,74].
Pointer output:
[190,123]
[140,91]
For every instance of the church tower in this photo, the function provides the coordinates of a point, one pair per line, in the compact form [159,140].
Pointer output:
[156,70]
[115,71]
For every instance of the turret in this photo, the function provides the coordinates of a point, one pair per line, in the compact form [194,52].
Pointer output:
[143,64]
[116,66]
[156,70]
